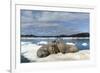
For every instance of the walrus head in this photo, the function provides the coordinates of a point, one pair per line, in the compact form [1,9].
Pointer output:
[53,48]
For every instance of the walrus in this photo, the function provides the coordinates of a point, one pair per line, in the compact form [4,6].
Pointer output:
[71,49]
[45,50]
[55,47]
[66,48]
[61,46]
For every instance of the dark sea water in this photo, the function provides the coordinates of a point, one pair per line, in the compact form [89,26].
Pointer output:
[81,43]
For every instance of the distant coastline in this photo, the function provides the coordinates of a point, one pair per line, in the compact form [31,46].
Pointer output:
[73,35]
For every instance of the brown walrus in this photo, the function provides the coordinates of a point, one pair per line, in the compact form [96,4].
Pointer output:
[71,49]
[61,46]
[45,50]
[66,48]
[55,47]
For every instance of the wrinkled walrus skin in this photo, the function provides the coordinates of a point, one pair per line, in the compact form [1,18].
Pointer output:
[43,51]
[61,46]
[48,49]
[55,47]
[71,49]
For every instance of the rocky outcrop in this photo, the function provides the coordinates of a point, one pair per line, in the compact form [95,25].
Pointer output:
[24,59]
[55,47]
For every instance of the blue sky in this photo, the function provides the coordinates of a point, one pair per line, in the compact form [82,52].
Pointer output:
[49,23]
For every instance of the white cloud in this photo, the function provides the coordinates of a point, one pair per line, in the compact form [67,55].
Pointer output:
[61,16]
[32,16]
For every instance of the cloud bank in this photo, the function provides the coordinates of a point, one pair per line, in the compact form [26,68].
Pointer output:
[53,22]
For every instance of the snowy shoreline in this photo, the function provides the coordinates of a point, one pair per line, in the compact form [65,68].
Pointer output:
[29,51]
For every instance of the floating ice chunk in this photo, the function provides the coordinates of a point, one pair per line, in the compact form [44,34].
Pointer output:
[84,44]
[42,42]
[25,43]
[30,51]
[68,43]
